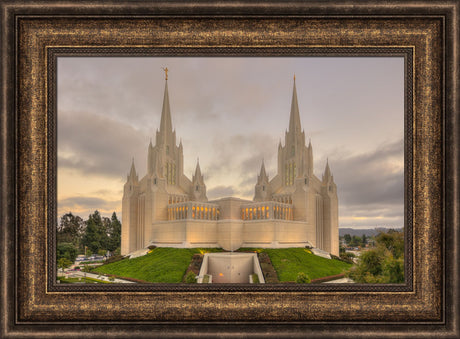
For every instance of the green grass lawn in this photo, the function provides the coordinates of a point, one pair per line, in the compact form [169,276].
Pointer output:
[162,265]
[288,262]
[168,265]
[83,280]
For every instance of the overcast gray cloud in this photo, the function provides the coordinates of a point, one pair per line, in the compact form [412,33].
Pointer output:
[220,192]
[96,144]
[371,178]
[231,113]
[84,206]
[371,185]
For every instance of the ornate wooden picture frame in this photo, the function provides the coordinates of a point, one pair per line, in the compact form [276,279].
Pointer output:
[34,34]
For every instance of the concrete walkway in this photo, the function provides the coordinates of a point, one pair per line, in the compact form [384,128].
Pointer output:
[76,274]
[340,281]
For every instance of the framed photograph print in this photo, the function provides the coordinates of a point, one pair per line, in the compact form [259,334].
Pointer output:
[230,169]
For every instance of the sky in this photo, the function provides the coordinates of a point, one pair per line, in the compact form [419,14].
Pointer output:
[231,113]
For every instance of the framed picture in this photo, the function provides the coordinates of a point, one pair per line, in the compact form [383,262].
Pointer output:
[49,55]
[250,192]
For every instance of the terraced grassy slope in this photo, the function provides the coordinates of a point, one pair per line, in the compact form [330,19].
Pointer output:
[162,265]
[288,262]
[168,265]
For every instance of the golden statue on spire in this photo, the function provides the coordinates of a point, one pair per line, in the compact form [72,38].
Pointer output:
[166,72]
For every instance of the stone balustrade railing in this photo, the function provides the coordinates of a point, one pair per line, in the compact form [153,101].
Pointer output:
[193,210]
[267,210]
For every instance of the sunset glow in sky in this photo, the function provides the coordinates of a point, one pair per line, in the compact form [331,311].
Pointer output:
[232,113]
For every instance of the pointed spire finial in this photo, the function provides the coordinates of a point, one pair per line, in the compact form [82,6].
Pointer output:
[166,73]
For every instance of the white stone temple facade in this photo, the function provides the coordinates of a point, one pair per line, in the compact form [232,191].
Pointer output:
[167,209]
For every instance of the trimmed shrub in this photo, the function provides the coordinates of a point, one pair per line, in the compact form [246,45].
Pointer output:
[190,278]
[302,278]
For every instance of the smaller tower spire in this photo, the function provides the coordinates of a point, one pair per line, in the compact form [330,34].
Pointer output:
[327,172]
[262,179]
[263,174]
[197,170]
[262,188]
[198,186]
[133,168]
[132,173]
[262,169]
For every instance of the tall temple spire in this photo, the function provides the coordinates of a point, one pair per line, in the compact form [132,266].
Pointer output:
[294,119]
[166,124]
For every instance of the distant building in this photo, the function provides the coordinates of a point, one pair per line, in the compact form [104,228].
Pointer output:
[167,209]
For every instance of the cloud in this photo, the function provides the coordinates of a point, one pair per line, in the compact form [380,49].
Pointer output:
[372,178]
[220,191]
[245,151]
[231,113]
[370,186]
[84,206]
[96,144]
[84,202]
[236,160]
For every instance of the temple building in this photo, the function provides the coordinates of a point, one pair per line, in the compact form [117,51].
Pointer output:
[167,209]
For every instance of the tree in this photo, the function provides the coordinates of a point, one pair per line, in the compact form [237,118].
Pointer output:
[347,238]
[64,263]
[364,241]
[392,240]
[70,230]
[356,241]
[114,233]
[95,237]
[384,263]
[66,250]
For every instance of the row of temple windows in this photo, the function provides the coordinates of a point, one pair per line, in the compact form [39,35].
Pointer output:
[290,173]
[267,212]
[198,212]
[170,170]
[174,199]
[285,199]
